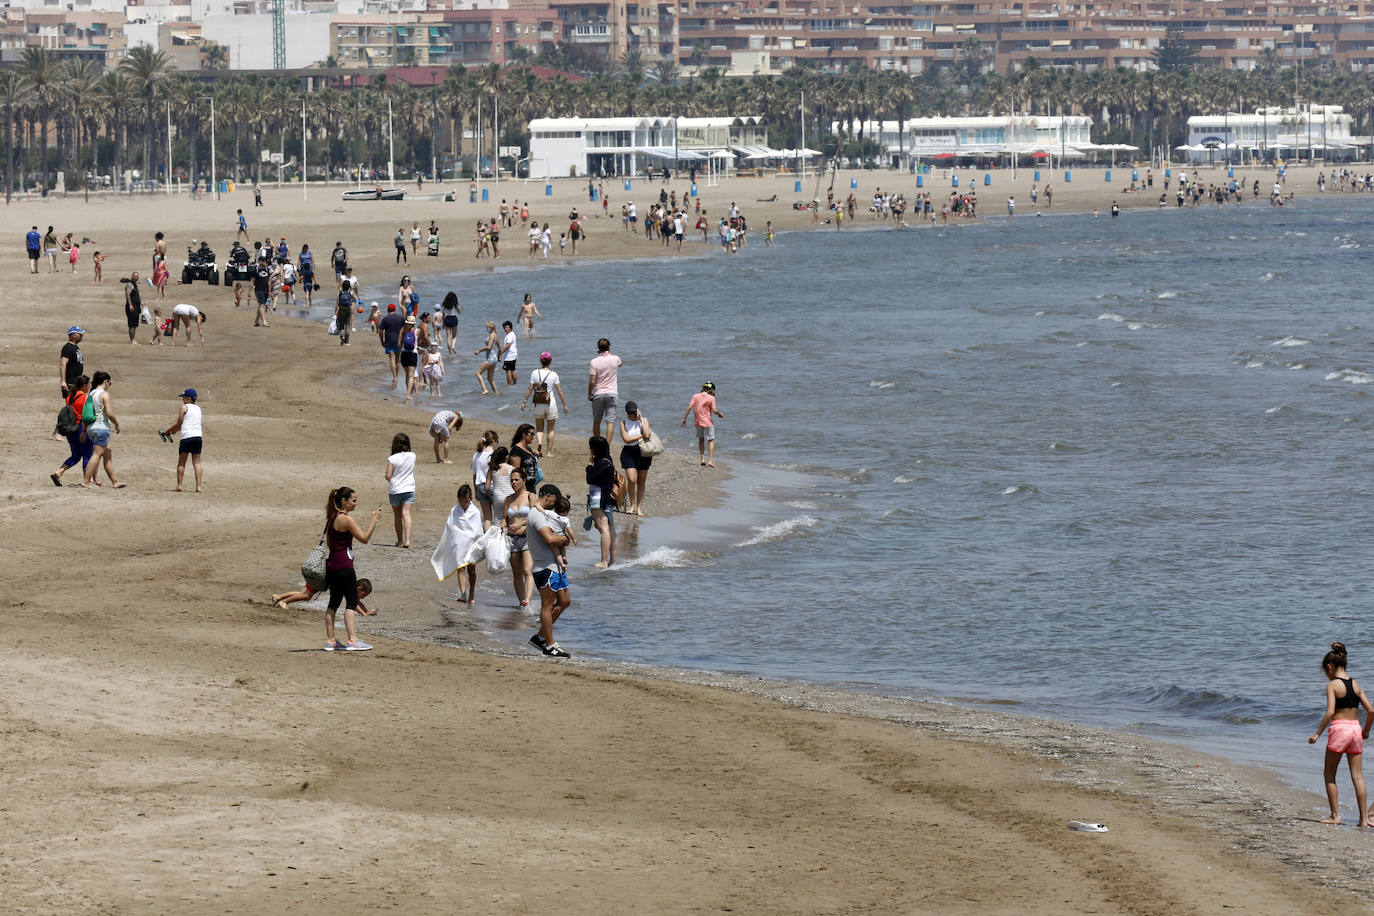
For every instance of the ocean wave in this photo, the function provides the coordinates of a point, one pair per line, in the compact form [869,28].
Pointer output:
[663,558]
[1290,341]
[1111,316]
[1197,703]
[882,383]
[750,436]
[1255,364]
[800,526]
[1297,365]
[1167,295]
[1273,409]
[903,478]
[1267,277]
[1353,376]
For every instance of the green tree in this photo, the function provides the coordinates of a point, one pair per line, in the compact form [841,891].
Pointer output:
[148,67]
[1174,53]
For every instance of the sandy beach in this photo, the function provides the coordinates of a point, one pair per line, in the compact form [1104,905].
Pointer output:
[177,744]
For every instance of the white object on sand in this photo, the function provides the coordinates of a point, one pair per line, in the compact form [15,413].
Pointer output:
[1086,827]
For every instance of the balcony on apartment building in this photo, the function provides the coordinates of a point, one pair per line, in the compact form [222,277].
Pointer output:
[589,33]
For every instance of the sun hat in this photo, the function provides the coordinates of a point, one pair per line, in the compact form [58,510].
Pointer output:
[75,330]
[410,319]
[188,393]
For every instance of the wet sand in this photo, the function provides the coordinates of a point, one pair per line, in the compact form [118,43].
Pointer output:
[176,744]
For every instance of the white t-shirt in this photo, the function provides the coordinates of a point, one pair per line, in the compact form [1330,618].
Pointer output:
[508,349]
[402,473]
[190,424]
[188,311]
[534,235]
[481,464]
[547,376]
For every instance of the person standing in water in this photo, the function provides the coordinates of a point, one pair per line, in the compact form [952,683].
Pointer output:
[1344,697]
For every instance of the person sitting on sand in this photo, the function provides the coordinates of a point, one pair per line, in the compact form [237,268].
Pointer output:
[1344,697]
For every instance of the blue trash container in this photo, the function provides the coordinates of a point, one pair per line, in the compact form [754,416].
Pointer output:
[1230,172]
[627,184]
[956,181]
[987,180]
[485,195]
[1068,176]
[548,190]
[1037,175]
[1109,175]
[853,184]
[796,187]
[694,188]
[920,181]
[1135,176]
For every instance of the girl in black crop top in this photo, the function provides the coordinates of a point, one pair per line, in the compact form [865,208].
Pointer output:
[1344,697]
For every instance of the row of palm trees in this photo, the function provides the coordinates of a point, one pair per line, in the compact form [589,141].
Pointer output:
[73,117]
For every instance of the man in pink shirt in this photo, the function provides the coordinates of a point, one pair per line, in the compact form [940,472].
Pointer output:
[702,406]
[603,388]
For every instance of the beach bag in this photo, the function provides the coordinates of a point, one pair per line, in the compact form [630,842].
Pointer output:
[312,570]
[532,481]
[541,390]
[618,488]
[651,446]
[88,412]
[68,423]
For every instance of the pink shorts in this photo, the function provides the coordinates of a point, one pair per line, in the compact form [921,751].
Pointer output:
[1343,736]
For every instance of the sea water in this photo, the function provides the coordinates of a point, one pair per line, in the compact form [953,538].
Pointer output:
[1115,471]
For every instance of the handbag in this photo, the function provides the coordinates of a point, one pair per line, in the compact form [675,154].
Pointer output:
[651,446]
[312,570]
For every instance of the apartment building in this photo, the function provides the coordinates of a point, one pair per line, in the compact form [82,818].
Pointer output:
[389,40]
[1093,35]
[496,36]
[73,35]
[611,29]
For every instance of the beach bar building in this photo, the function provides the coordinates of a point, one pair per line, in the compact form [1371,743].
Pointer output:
[561,147]
[939,139]
[1301,132]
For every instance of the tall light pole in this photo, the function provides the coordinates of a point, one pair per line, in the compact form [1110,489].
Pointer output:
[214,179]
[305,175]
[168,171]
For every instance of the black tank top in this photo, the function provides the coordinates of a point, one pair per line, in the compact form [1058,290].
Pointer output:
[1350,700]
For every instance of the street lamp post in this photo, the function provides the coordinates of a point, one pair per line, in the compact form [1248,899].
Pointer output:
[305,175]
[167,173]
[214,175]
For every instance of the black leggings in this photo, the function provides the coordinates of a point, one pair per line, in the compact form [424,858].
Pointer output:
[343,588]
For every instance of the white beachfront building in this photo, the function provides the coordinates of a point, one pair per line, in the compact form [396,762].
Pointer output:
[626,146]
[991,136]
[1307,131]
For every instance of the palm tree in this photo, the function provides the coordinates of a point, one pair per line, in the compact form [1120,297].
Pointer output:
[78,95]
[119,94]
[148,67]
[42,73]
[665,72]
[216,57]
[14,92]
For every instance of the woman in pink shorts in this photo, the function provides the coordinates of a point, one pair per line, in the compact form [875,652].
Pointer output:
[1344,697]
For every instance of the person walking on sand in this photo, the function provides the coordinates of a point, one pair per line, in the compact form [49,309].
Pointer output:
[701,408]
[634,429]
[33,245]
[189,445]
[98,429]
[340,531]
[77,440]
[1344,697]
[243,227]
[464,525]
[491,354]
[400,476]
[400,242]
[50,248]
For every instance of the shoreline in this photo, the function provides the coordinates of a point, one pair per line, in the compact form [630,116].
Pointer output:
[668,775]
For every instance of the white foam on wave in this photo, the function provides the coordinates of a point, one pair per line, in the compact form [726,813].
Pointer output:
[1255,364]
[750,436]
[1041,314]
[902,478]
[1290,341]
[1136,325]
[1081,343]
[1111,316]
[1167,295]
[659,558]
[802,524]
[882,383]
[1296,366]
[1267,277]
[1274,409]
[1353,376]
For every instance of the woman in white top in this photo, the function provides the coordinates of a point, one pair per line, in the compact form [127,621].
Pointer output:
[183,315]
[188,422]
[481,464]
[543,385]
[514,513]
[634,429]
[400,473]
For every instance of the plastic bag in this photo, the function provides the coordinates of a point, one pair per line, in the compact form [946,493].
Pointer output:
[145,316]
[334,325]
[497,548]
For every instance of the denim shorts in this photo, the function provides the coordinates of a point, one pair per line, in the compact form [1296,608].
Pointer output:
[100,437]
[400,499]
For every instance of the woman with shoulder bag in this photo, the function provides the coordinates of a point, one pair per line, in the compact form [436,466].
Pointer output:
[340,531]
[544,383]
[634,431]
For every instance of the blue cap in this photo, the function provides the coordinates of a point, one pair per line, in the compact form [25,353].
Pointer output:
[188,393]
[76,330]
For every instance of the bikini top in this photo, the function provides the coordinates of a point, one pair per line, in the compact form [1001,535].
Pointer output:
[524,512]
[1350,700]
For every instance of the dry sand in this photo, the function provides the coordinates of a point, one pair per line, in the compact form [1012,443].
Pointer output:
[172,744]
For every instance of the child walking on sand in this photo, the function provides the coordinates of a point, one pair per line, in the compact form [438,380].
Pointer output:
[1344,697]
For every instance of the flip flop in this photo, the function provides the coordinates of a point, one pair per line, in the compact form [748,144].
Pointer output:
[120,486]
[56,481]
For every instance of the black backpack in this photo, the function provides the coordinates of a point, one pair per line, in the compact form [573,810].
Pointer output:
[68,423]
